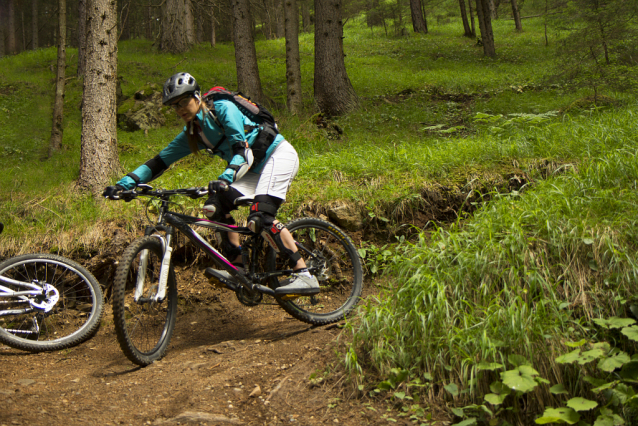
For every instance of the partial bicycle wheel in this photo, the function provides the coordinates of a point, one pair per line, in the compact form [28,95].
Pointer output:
[143,325]
[333,259]
[65,313]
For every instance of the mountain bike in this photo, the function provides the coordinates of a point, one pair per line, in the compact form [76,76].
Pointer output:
[47,302]
[145,289]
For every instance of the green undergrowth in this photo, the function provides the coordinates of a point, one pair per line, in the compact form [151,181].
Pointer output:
[417,127]
[525,276]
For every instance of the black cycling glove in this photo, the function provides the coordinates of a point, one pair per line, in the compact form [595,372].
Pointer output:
[112,191]
[218,186]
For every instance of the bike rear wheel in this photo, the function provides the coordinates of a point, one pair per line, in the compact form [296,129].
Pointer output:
[143,327]
[334,260]
[70,320]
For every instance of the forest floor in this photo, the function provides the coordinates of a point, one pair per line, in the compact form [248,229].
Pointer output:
[227,364]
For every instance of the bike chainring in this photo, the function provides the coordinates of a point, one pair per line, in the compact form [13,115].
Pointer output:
[248,299]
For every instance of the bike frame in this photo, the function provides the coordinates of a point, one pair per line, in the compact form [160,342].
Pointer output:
[169,220]
[46,290]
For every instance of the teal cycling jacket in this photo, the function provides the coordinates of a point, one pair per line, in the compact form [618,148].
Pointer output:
[232,121]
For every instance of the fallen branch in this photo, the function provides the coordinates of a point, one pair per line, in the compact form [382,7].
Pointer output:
[532,16]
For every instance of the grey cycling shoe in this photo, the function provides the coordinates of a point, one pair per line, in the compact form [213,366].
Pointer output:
[299,285]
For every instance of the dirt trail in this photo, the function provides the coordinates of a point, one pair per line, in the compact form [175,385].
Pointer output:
[227,364]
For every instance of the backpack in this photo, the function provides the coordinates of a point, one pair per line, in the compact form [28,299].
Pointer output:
[255,112]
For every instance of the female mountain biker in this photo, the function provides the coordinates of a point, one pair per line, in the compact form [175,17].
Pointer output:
[231,135]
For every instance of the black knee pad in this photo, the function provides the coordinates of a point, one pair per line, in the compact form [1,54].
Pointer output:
[262,215]
[213,204]
[227,199]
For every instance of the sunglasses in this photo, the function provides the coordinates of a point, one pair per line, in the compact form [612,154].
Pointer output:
[181,104]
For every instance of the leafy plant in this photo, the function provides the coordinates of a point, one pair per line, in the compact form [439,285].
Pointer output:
[375,258]
[522,275]
[617,374]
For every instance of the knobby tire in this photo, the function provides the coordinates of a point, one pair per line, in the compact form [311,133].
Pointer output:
[72,320]
[143,328]
[332,257]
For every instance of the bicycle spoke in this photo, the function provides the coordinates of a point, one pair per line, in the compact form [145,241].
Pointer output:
[62,316]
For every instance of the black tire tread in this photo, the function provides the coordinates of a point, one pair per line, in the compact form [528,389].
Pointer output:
[119,294]
[335,316]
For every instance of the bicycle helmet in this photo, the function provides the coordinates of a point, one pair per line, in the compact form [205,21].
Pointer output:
[179,85]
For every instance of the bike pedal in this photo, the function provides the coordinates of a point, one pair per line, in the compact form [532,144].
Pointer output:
[290,296]
[216,283]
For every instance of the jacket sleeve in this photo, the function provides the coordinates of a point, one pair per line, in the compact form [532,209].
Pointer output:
[154,167]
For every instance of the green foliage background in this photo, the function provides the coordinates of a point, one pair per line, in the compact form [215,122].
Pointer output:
[524,276]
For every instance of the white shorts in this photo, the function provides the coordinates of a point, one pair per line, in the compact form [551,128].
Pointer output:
[275,177]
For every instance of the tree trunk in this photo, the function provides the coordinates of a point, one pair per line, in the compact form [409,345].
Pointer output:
[2,28]
[99,158]
[24,33]
[176,26]
[200,28]
[398,18]
[213,35]
[418,23]
[469,2]
[248,80]
[280,20]
[334,93]
[293,64]
[125,28]
[81,37]
[305,15]
[149,22]
[485,24]
[425,16]
[466,24]
[517,16]
[11,28]
[190,22]
[58,105]
[34,24]
[493,9]
[545,25]
[268,26]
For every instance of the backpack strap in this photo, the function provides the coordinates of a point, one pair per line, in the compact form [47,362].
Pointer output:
[223,138]
[211,112]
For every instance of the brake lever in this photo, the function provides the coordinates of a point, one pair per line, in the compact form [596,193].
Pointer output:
[197,192]
[128,196]
[144,187]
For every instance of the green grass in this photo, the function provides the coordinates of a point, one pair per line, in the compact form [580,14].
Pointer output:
[523,276]
[383,157]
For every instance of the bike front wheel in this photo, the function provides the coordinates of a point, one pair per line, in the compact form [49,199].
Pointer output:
[143,325]
[332,258]
[66,311]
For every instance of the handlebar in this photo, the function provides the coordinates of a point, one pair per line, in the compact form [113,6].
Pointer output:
[147,191]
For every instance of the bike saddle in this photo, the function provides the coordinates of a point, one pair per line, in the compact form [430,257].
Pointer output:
[244,201]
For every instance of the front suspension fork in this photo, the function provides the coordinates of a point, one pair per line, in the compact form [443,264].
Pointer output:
[160,293]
